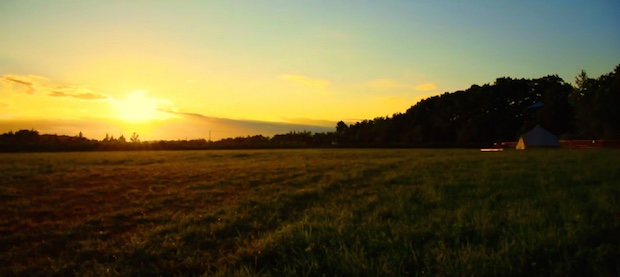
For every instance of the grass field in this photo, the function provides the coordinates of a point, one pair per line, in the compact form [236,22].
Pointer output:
[311,213]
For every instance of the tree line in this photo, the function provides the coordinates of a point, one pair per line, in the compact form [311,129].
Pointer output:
[475,117]
[502,111]
[32,141]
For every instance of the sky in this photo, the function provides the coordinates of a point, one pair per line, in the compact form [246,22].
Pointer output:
[190,69]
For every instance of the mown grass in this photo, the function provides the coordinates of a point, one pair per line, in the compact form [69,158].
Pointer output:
[311,213]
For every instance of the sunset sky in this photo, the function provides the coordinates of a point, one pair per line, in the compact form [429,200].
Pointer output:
[179,69]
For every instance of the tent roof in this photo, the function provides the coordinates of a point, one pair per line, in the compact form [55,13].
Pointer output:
[538,136]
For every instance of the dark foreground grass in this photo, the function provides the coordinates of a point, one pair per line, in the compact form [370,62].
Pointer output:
[311,213]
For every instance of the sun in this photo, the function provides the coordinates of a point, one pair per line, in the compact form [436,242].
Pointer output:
[138,107]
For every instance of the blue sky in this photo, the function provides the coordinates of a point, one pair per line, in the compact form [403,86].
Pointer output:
[291,62]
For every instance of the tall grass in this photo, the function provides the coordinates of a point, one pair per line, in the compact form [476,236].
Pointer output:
[311,213]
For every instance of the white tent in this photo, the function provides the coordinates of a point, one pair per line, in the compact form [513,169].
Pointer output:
[537,137]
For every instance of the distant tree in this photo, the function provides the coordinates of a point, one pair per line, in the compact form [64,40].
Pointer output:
[596,103]
[27,136]
[342,131]
[582,81]
[341,127]
[556,114]
[323,139]
[135,138]
[122,139]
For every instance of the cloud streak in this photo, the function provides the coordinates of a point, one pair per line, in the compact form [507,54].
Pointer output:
[28,82]
[16,79]
[426,86]
[41,85]
[83,95]
[202,125]
[310,121]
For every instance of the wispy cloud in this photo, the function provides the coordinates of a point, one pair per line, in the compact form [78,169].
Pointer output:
[306,80]
[426,86]
[32,84]
[226,127]
[311,122]
[78,95]
[29,82]
[16,79]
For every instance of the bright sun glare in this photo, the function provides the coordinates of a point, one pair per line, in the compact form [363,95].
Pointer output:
[138,107]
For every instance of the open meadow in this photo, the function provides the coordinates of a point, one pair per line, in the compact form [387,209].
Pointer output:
[312,212]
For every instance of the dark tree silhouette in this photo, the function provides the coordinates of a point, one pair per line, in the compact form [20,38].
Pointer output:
[135,138]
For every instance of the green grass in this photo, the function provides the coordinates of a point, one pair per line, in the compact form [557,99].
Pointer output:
[311,213]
